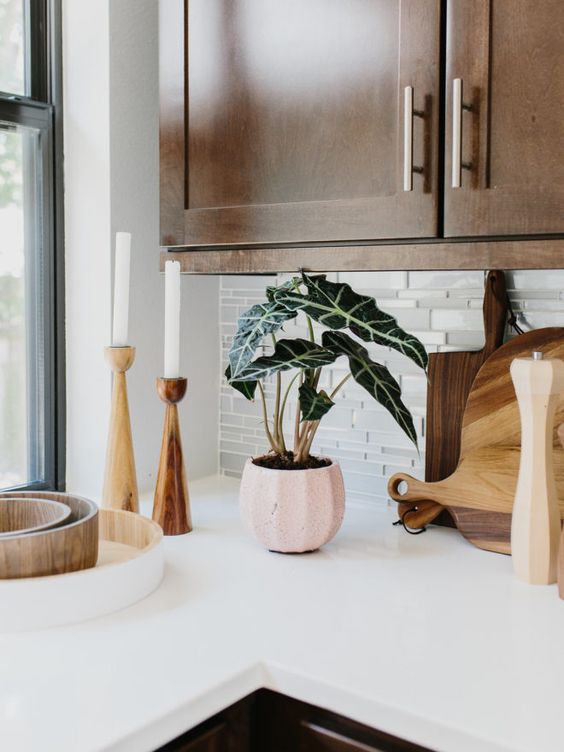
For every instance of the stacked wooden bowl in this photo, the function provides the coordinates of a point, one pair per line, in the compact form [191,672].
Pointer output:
[101,561]
[23,516]
[45,533]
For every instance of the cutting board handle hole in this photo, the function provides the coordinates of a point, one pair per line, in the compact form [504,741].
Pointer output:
[402,487]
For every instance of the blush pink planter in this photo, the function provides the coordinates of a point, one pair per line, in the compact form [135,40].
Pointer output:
[292,511]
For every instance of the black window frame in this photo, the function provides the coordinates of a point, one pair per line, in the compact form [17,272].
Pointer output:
[42,110]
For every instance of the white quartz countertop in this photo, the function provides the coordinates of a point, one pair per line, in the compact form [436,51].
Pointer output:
[424,637]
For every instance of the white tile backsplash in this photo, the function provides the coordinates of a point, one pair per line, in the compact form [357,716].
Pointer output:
[444,309]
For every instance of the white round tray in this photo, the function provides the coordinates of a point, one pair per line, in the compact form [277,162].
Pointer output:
[130,566]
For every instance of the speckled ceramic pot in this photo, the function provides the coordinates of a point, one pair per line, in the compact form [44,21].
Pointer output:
[292,511]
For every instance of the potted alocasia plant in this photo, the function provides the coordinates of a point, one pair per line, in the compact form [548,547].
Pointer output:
[291,499]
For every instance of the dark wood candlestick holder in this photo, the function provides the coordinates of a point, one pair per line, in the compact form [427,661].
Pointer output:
[120,480]
[171,508]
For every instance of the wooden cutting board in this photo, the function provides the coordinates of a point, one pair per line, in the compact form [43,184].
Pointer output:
[479,494]
[450,376]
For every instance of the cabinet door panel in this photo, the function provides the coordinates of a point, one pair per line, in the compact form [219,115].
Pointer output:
[319,739]
[295,120]
[210,740]
[509,56]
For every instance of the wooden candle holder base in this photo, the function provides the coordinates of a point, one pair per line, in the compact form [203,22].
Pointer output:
[171,508]
[120,481]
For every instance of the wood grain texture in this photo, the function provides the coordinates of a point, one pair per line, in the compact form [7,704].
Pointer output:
[20,515]
[560,432]
[294,127]
[172,124]
[450,377]
[65,549]
[171,506]
[486,477]
[535,523]
[130,529]
[494,254]
[508,54]
[120,478]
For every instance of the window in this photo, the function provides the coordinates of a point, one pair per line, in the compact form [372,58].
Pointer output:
[31,274]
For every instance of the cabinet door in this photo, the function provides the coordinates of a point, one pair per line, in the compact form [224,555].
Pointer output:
[297,125]
[207,740]
[343,735]
[508,56]
[319,739]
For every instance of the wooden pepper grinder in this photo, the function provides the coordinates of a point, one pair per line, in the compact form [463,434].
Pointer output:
[535,526]
[561,549]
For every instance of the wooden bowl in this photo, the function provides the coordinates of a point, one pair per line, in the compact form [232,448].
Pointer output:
[22,516]
[62,549]
[129,567]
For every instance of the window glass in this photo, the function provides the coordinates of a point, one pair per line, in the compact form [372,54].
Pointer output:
[21,391]
[12,36]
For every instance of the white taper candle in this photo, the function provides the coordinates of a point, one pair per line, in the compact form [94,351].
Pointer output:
[121,289]
[172,320]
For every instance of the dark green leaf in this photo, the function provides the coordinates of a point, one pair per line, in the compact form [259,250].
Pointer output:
[337,306]
[274,290]
[252,327]
[373,377]
[288,353]
[247,388]
[314,405]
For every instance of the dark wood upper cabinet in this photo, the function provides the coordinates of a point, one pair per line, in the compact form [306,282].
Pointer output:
[295,120]
[509,57]
[311,124]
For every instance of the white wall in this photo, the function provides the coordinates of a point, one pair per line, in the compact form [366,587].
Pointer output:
[87,228]
[111,183]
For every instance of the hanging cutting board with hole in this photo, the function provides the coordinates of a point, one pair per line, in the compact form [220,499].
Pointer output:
[479,493]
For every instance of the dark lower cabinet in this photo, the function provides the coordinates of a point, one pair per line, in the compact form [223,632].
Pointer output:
[228,731]
[270,722]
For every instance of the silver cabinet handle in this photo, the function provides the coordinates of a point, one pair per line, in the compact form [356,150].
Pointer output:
[408,138]
[456,133]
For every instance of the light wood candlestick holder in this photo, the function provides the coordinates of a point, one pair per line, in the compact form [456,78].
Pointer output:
[120,480]
[171,508]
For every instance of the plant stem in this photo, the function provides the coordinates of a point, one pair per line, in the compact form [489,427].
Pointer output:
[308,435]
[282,410]
[310,329]
[302,453]
[339,385]
[317,377]
[309,442]
[297,420]
[265,418]
[276,416]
